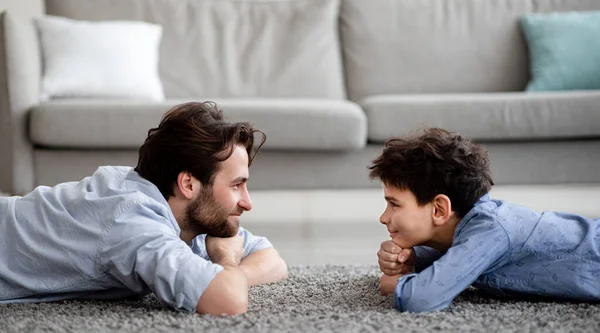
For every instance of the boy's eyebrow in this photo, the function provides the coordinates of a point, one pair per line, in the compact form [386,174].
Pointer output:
[387,198]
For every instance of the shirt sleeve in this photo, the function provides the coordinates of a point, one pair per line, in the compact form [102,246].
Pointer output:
[480,245]
[252,243]
[143,251]
[425,257]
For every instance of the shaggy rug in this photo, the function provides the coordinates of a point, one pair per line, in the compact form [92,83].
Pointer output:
[312,299]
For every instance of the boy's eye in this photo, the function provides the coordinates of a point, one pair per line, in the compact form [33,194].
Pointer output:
[393,204]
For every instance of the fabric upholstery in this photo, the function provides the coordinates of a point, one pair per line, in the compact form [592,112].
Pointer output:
[564,50]
[289,124]
[109,59]
[512,163]
[19,90]
[500,116]
[438,46]
[235,48]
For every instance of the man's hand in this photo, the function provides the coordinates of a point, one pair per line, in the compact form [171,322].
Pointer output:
[394,260]
[387,284]
[264,266]
[225,251]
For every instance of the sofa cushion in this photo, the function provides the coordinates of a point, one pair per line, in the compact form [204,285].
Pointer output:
[564,50]
[99,59]
[495,117]
[234,48]
[306,124]
[438,46]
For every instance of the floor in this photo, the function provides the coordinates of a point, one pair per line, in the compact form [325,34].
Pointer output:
[341,227]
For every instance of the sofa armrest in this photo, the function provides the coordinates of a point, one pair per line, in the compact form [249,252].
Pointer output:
[20,73]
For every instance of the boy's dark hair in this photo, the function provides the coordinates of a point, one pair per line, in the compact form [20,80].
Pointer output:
[192,137]
[436,162]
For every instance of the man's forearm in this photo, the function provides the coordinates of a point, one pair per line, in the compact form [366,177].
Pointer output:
[263,266]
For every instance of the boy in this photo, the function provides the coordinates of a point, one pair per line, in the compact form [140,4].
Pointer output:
[446,233]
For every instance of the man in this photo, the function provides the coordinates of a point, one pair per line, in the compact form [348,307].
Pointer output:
[169,226]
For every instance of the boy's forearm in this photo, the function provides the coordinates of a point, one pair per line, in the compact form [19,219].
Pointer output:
[424,257]
[263,266]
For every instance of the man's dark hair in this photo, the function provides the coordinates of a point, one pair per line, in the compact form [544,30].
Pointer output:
[436,162]
[192,137]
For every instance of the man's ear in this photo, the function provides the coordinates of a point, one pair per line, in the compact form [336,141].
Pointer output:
[442,209]
[186,185]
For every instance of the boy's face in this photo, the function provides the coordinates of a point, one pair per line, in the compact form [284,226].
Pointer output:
[408,223]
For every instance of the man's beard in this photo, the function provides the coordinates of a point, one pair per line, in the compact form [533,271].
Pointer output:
[205,216]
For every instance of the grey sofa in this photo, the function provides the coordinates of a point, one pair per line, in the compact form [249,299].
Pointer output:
[328,81]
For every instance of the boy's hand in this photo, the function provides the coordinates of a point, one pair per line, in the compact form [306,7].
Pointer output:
[387,283]
[225,251]
[394,260]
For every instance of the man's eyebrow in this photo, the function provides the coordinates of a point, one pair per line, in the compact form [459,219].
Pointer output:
[390,198]
[240,179]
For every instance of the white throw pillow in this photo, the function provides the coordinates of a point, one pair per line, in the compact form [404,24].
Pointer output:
[100,59]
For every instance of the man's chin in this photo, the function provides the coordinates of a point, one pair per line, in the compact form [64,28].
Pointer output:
[234,223]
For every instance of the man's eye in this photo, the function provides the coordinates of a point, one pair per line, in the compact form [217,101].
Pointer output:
[393,204]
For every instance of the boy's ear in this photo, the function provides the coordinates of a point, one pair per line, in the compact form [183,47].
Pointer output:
[442,209]
[186,185]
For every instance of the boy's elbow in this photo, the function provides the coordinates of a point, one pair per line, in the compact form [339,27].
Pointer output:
[419,305]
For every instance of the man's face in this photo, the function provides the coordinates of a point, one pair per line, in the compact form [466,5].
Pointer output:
[408,223]
[216,210]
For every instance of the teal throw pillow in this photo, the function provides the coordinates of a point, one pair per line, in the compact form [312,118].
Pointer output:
[564,50]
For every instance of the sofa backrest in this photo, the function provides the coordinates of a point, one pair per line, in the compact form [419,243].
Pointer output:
[438,46]
[234,48]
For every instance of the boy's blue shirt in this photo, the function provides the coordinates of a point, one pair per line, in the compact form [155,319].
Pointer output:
[507,250]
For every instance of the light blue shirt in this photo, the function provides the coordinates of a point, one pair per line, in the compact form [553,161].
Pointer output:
[508,250]
[111,235]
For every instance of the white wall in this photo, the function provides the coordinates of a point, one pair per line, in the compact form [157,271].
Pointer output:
[23,8]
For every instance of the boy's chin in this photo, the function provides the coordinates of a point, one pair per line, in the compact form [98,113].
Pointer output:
[403,243]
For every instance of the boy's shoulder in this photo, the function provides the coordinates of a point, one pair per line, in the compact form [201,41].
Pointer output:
[514,220]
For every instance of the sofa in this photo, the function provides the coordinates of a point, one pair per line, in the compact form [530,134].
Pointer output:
[328,81]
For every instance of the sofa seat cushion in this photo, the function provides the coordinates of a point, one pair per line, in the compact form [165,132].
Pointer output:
[491,117]
[303,124]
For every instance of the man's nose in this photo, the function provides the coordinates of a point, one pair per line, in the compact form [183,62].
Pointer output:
[245,202]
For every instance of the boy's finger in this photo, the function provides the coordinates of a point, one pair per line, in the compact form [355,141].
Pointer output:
[390,272]
[389,264]
[404,255]
[389,246]
[387,256]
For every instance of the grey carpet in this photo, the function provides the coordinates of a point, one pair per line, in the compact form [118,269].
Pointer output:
[313,298]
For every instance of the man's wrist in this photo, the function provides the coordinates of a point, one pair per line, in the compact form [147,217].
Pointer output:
[227,261]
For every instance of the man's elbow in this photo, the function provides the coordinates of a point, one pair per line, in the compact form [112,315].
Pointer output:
[226,294]
[231,307]
[282,270]
[237,307]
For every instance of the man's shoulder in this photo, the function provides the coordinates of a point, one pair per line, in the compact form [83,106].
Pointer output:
[122,180]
